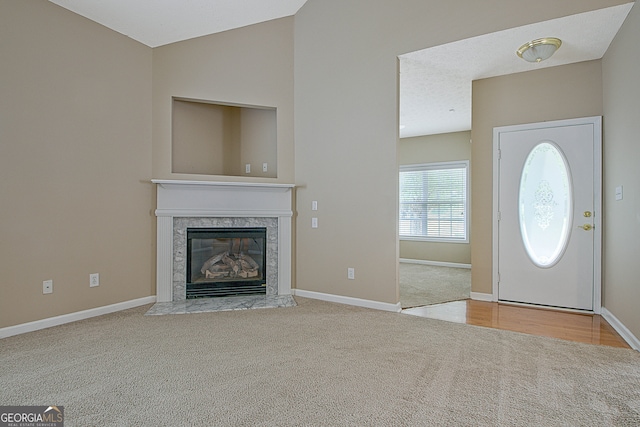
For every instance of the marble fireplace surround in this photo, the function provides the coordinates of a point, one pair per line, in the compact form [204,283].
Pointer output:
[180,225]
[185,204]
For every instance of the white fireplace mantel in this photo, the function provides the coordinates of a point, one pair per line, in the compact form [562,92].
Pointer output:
[209,199]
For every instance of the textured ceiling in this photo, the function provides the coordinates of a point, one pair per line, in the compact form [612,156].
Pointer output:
[435,83]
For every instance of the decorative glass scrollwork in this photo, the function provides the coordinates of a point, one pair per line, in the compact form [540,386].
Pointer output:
[545,204]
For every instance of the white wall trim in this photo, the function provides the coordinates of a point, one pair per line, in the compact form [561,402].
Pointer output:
[624,332]
[479,296]
[164,254]
[376,305]
[234,185]
[435,263]
[73,317]
[223,213]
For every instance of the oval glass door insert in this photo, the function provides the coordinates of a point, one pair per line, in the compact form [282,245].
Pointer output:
[545,204]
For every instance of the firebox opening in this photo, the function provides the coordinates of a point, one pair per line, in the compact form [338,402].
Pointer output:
[225,262]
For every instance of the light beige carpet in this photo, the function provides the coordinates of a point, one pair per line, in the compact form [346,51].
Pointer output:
[317,364]
[426,284]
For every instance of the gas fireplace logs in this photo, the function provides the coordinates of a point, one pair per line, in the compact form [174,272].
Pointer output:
[226,265]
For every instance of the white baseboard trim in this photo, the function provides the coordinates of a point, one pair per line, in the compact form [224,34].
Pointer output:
[73,317]
[348,300]
[479,296]
[435,263]
[625,333]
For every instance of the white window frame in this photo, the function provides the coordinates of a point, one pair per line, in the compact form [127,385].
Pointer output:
[440,166]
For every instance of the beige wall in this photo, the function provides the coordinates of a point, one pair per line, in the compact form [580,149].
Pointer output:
[621,153]
[346,127]
[248,66]
[429,149]
[555,93]
[213,139]
[259,141]
[79,104]
[198,134]
[75,160]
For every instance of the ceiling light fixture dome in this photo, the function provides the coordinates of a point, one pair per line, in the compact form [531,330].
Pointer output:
[540,49]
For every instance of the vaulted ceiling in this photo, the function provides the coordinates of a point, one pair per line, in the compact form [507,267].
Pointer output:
[435,83]
[159,22]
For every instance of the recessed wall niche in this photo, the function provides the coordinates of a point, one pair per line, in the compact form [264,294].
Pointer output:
[210,138]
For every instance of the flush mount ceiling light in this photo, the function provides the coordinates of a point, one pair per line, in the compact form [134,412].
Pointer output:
[539,50]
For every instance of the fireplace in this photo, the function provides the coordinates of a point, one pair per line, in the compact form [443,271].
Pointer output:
[184,206]
[226,261]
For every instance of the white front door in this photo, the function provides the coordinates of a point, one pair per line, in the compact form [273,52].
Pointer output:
[548,219]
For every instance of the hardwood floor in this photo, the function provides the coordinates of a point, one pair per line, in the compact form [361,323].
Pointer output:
[585,328]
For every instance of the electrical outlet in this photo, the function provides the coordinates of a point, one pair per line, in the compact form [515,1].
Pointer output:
[264,167]
[94,280]
[314,222]
[247,168]
[47,287]
[351,273]
[314,205]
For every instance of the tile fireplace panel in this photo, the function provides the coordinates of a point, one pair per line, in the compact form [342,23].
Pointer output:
[180,226]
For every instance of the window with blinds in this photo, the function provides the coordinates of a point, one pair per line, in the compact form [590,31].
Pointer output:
[433,202]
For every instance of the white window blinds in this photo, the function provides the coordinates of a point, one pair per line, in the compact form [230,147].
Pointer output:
[433,201]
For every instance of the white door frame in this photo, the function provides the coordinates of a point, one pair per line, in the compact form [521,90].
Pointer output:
[596,121]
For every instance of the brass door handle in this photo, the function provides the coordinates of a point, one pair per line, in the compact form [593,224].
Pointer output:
[586,227]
